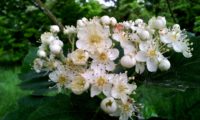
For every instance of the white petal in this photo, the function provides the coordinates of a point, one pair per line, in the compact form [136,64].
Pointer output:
[116,37]
[187,54]
[80,44]
[53,77]
[114,93]
[141,56]
[165,39]
[107,89]
[110,66]
[131,87]
[124,98]
[143,46]
[177,46]
[94,91]
[152,65]
[88,75]
[108,43]
[139,68]
[123,117]
[113,54]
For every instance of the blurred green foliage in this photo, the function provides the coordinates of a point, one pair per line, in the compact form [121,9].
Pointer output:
[9,90]
[21,23]
[182,12]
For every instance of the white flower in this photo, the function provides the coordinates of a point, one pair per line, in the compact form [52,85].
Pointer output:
[126,110]
[164,65]
[79,57]
[61,78]
[104,58]
[69,64]
[38,64]
[105,20]
[150,54]
[128,61]
[121,88]
[69,30]
[54,29]
[41,53]
[52,64]
[109,105]
[157,23]
[100,82]
[178,41]
[79,85]
[47,38]
[93,36]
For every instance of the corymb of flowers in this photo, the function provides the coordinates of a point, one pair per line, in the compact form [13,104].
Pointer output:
[102,45]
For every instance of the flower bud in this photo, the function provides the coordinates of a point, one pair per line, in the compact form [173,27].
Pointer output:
[57,42]
[127,61]
[55,49]
[176,28]
[47,38]
[164,65]
[109,105]
[41,53]
[54,29]
[105,20]
[157,23]
[138,21]
[144,35]
[113,21]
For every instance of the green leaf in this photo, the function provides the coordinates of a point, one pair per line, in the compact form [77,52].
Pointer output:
[60,107]
[28,60]
[36,82]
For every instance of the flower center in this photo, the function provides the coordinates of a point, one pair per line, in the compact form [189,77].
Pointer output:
[81,56]
[126,108]
[95,39]
[151,53]
[62,80]
[78,83]
[101,81]
[121,88]
[103,56]
[173,37]
[51,65]
[109,103]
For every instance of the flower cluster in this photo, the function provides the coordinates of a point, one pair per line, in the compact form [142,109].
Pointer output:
[102,43]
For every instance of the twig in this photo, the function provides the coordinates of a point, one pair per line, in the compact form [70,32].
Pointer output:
[170,10]
[42,7]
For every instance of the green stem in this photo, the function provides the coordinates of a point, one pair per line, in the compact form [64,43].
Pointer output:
[38,3]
